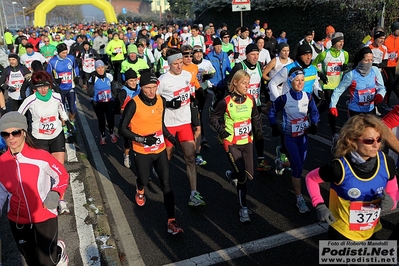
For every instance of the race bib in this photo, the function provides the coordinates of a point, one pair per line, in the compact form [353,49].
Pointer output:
[333,69]
[118,50]
[47,125]
[184,94]
[242,130]
[66,77]
[366,96]
[254,90]
[363,216]
[159,145]
[89,63]
[392,56]
[104,96]
[298,126]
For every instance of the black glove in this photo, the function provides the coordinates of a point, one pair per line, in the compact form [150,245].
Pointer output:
[230,52]
[11,89]
[172,140]
[102,46]
[322,77]
[223,134]
[236,55]
[344,67]
[52,199]
[175,103]
[321,95]
[312,129]
[147,140]
[193,101]
[208,76]
[275,130]
[70,127]
[76,80]
[58,81]
[114,54]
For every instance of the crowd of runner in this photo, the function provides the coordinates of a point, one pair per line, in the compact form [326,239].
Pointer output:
[158,78]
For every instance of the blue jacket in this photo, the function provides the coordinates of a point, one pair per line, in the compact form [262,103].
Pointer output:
[221,64]
[64,71]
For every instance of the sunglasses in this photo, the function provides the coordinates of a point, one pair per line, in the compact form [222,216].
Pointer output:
[189,55]
[16,134]
[224,37]
[371,141]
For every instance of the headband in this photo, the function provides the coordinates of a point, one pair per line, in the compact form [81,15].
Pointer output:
[174,57]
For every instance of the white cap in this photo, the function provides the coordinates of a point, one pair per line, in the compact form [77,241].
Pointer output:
[200,25]
[185,28]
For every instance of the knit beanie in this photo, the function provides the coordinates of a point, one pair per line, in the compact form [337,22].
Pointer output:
[130,74]
[13,56]
[395,26]
[217,41]
[330,29]
[304,49]
[61,47]
[13,119]
[146,77]
[251,47]
[132,48]
[99,63]
[378,34]
[338,36]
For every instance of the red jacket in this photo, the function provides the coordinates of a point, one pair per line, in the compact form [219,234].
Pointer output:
[26,178]
[35,42]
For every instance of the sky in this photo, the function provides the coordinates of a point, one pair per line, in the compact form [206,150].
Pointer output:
[91,11]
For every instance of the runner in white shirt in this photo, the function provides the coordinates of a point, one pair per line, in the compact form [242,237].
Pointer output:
[184,36]
[30,56]
[174,86]
[196,39]
[240,43]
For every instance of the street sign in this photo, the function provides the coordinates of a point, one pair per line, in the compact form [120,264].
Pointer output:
[241,5]
[124,11]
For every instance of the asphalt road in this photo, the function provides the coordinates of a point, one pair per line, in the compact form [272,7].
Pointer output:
[277,235]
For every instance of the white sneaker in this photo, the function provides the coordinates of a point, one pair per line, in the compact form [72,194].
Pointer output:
[63,208]
[64,260]
[126,161]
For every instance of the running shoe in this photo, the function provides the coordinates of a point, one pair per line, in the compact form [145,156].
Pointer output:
[114,138]
[334,142]
[244,215]
[263,166]
[140,197]
[102,141]
[173,228]
[199,160]
[196,200]
[63,207]
[283,158]
[229,176]
[302,207]
[64,260]
[126,161]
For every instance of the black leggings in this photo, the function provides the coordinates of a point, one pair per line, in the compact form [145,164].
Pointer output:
[201,104]
[15,104]
[392,84]
[160,162]
[325,105]
[117,65]
[104,111]
[241,158]
[260,143]
[85,78]
[37,242]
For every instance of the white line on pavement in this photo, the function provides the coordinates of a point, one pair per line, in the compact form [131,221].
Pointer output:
[122,228]
[87,243]
[255,246]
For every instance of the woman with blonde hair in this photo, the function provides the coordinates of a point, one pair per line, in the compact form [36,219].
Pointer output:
[362,179]
[241,124]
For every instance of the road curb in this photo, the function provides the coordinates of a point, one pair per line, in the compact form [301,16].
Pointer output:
[101,227]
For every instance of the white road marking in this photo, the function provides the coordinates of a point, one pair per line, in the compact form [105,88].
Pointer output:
[255,246]
[87,243]
[124,233]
